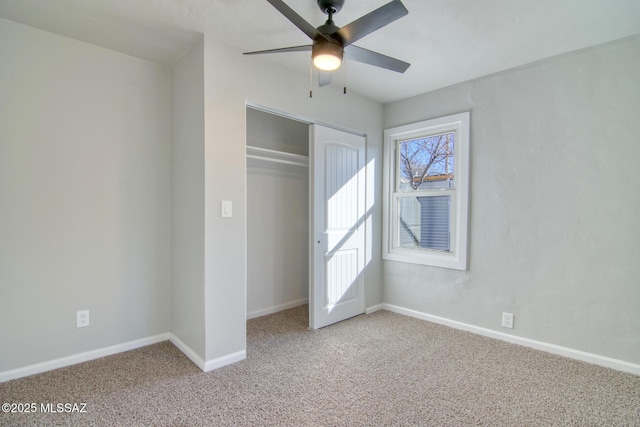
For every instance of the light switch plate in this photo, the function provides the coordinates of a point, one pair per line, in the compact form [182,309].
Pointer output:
[227,209]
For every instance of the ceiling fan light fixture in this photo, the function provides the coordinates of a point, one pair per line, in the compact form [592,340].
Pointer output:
[327,56]
[330,41]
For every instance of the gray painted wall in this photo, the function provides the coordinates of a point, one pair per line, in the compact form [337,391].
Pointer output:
[554,228]
[187,200]
[267,130]
[84,196]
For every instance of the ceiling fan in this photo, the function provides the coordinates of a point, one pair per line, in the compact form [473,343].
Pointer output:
[331,42]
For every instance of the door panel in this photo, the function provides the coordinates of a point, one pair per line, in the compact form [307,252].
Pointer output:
[337,226]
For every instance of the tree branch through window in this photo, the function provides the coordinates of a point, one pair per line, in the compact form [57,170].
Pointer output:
[427,159]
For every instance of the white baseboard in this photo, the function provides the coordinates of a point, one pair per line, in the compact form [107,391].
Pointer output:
[187,351]
[228,359]
[571,353]
[373,309]
[80,357]
[277,308]
[119,348]
[209,365]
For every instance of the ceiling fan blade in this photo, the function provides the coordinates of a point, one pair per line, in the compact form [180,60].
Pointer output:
[305,48]
[296,19]
[359,54]
[324,78]
[372,21]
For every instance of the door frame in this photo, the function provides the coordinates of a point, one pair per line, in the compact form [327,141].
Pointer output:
[310,121]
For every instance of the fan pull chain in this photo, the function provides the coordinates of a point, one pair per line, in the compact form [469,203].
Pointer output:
[311,78]
[344,91]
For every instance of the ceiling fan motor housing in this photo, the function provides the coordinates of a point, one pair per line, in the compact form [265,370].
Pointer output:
[330,5]
[325,47]
[331,41]
[331,45]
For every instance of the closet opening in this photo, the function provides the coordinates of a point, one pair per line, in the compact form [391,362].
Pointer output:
[277,213]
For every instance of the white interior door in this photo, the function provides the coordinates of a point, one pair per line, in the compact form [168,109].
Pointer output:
[337,216]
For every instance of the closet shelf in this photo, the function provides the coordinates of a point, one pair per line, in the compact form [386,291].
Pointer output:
[275,156]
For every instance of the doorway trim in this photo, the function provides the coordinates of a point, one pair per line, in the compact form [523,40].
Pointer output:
[300,118]
[309,121]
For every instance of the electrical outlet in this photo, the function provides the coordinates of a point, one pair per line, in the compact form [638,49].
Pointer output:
[82,318]
[507,320]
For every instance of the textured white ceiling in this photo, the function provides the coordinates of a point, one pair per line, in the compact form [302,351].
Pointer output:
[446,41]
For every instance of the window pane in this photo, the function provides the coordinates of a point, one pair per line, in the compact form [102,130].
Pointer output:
[426,163]
[424,222]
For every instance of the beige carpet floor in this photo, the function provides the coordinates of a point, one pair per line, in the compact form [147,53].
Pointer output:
[382,369]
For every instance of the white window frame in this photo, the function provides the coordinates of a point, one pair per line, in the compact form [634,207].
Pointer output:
[456,258]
